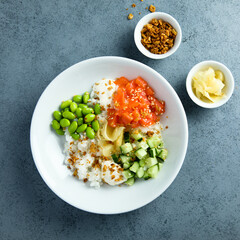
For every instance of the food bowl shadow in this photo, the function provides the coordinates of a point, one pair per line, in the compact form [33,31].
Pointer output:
[130,49]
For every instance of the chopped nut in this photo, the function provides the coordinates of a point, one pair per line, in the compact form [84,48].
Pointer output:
[158,36]
[93,148]
[152,8]
[75,173]
[150,133]
[130,16]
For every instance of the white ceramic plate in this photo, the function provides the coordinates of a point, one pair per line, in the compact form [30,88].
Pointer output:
[47,146]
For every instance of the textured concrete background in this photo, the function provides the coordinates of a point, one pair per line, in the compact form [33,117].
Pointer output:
[39,39]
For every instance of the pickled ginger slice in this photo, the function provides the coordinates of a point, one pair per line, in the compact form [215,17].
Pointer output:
[208,85]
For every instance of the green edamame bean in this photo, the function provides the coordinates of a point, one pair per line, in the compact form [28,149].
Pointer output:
[86,111]
[82,106]
[97,109]
[66,104]
[77,98]
[73,127]
[69,115]
[55,124]
[64,122]
[90,133]
[57,115]
[75,136]
[60,131]
[95,125]
[86,97]
[89,117]
[73,107]
[82,128]
[79,112]
[65,110]
[80,121]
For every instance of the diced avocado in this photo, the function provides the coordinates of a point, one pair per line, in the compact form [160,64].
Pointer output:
[149,162]
[140,153]
[134,167]
[154,141]
[126,148]
[130,181]
[140,172]
[163,154]
[128,174]
[153,171]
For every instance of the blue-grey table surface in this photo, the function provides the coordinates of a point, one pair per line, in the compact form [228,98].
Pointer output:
[39,39]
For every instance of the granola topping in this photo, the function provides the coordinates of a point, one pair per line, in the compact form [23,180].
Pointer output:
[158,36]
[152,8]
[130,16]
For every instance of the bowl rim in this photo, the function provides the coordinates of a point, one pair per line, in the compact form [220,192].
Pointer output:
[143,21]
[200,65]
[154,196]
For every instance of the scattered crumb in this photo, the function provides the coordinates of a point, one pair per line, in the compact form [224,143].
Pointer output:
[130,16]
[133,5]
[166,127]
[139,13]
[146,8]
[126,8]
[152,8]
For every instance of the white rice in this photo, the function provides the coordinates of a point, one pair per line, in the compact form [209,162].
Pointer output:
[83,166]
[84,163]
[156,128]
[102,93]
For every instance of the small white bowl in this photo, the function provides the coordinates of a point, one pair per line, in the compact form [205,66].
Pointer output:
[229,83]
[145,20]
